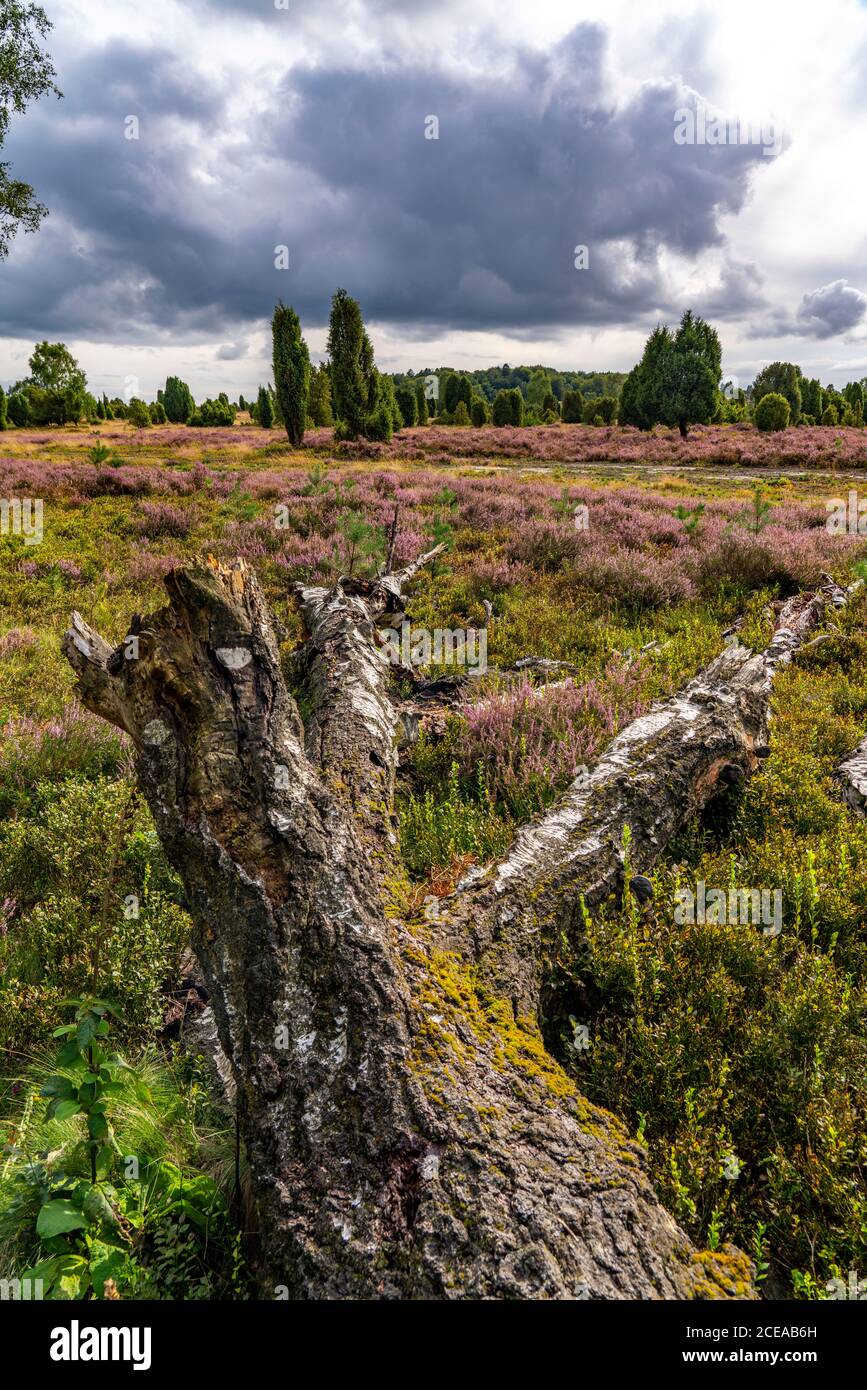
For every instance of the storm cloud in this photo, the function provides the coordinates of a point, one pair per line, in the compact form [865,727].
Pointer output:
[177,230]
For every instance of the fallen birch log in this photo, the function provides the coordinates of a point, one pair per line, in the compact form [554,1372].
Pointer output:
[407,1134]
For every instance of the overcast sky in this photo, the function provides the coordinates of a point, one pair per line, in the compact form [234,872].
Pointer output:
[559,125]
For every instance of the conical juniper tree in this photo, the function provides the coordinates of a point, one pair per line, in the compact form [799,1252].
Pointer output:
[291,371]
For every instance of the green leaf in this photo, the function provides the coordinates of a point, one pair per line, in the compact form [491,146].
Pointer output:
[86,1029]
[108,1265]
[97,1126]
[102,1006]
[60,1087]
[97,1208]
[63,1109]
[55,1269]
[57,1217]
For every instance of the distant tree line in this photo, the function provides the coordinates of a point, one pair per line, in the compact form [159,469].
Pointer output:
[489,381]
[677,383]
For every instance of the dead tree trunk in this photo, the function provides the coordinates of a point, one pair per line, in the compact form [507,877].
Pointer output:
[852,773]
[407,1134]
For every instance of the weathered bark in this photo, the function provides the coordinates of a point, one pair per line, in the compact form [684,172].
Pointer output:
[653,778]
[852,773]
[407,1134]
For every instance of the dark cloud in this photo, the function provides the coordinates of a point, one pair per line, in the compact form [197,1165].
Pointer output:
[833,309]
[827,312]
[176,232]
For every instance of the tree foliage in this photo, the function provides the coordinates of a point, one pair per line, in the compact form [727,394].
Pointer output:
[56,387]
[676,381]
[18,408]
[538,387]
[363,399]
[407,404]
[214,413]
[573,408]
[320,396]
[782,379]
[178,400]
[26,74]
[264,411]
[291,371]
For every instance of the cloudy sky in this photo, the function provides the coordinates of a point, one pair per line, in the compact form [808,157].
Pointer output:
[307,124]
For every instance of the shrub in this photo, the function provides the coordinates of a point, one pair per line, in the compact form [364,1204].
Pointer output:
[157,413]
[780,379]
[829,415]
[36,752]
[3,417]
[502,412]
[461,414]
[479,412]
[85,859]
[516,406]
[178,401]
[573,408]
[79,1220]
[451,388]
[162,519]
[386,417]
[407,404]
[214,414]
[18,409]
[379,425]
[138,414]
[772,412]
[600,410]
